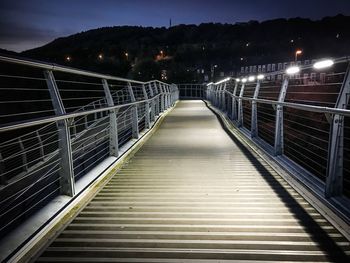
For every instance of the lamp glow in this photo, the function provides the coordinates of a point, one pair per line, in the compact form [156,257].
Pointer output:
[222,81]
[210,83]
[238,80]
[251,78]
[244,80]
[292,70]
[260,77]
[323,64]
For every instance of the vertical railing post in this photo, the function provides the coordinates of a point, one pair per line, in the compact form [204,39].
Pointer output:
[240,107]
[279,142]
[23,155]
[165,96]
[3,179]
[113,128]
[169,96]
[234,102]
[162,97]
[40,142]
[223,97]
[335,161]
[217,96]
[254,120]
[147,113]
[157,92]
[134,114]
[153,104]
[66,172]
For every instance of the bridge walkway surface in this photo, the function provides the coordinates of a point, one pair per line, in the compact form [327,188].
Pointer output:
[193,194]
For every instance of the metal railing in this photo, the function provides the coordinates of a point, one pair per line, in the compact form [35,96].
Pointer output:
[57,123]
[191,91]
[302,118]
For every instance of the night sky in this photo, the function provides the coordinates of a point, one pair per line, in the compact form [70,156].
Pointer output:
[26,24]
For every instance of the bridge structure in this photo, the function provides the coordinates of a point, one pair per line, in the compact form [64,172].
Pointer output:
[97,168]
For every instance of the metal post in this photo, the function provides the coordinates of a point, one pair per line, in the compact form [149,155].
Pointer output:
[240,107]
[113,127]
[254,121]
[334,178]
[218,97]
[234,102]
[153,105]
[147,113]
[169,96]
[157,110]
[134,114]
[165,96]
[162,98]
[66,159]
[3,180]
[279,143]
[223,97]
[40,142]
[23,155]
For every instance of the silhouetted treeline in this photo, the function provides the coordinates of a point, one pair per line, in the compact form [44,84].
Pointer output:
[132,51]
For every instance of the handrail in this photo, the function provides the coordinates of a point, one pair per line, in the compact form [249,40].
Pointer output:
[299,106]
[295,136]
[45,120]
[56,67]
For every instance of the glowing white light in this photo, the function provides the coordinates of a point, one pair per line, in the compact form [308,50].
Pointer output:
[222,81]
[238,80]
[244,80]
[261,76]
[323,64]
[251,78]
[210,83]
[292,70]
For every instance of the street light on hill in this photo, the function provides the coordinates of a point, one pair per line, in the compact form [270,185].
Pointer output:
[298,52]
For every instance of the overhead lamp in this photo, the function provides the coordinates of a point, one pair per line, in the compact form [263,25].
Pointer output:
[251,78]
[244,80]
[323,64]
[238,80]
[261,76]
[210,83]
[292,70]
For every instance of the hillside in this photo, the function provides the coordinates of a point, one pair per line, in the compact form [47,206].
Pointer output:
[136,51]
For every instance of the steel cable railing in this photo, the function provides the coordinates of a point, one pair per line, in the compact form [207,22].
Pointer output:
[300,116]
[71,116]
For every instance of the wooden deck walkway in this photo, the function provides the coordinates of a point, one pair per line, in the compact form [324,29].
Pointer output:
[191,194]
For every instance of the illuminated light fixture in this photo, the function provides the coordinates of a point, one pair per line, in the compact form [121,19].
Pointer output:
[222,81]
[251,78]
[323,64]
[292,70]
[261,76]
[210,83]
[238,80]
[244,80]
[100,56]
[68,58]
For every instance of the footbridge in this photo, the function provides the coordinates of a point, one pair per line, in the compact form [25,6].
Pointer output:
[96,168]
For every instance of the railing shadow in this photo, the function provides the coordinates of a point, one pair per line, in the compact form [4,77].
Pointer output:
[333,252]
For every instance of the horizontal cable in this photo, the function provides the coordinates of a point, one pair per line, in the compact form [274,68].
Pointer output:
[20,77]
[93,156]
[103,156]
